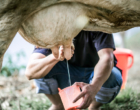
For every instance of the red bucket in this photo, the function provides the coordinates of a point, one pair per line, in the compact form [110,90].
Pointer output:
[68,95]
[122,56]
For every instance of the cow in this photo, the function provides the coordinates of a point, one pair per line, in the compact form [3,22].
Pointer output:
[51,23]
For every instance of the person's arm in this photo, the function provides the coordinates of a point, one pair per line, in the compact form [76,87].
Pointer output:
[102,72]
[103,68]
[39,65]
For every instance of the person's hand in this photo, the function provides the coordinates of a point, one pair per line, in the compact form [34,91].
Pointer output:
[36,47]
[61,53]
[67,49]
[88,93]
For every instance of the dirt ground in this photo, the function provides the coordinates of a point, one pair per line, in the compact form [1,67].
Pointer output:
[13,88]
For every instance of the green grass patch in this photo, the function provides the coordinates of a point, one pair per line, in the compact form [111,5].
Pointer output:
[26,104]
[126,100]
[38,102]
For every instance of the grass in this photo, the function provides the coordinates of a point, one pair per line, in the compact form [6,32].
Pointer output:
[28,103]
[126,100]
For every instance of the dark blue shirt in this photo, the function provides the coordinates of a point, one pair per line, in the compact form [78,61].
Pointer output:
[87,44]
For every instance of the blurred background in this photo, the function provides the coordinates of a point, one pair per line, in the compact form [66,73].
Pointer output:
[17,93]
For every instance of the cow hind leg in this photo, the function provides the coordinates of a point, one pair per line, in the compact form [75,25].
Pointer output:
[4,44]
[7,34]
[1,63]
[8,29]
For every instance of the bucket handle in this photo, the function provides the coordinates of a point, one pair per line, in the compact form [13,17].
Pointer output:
[131,55]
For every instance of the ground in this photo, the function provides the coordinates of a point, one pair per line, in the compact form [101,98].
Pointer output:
[17,93]
[134,73]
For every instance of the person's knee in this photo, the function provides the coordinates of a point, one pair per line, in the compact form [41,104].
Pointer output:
[110,88]
[115,79]
[106,95]
[47,86]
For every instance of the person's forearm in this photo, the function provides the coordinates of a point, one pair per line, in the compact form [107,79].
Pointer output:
[102,72]
[40,67]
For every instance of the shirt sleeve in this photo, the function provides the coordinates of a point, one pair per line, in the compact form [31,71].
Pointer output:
[103,40]
[43,51]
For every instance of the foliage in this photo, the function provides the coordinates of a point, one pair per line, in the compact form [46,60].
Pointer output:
[11,66]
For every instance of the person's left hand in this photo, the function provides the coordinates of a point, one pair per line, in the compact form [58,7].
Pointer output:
[88,93]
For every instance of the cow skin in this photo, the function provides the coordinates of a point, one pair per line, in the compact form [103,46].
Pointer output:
[50,23]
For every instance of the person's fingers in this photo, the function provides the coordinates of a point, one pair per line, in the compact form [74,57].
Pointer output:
[36,46]
[55,51]
[84,103]
[88,101]
[61,46]
[61,51]
[61,58]
[72,46]
[79,96]
[87,104]
[80,84]
[72,51]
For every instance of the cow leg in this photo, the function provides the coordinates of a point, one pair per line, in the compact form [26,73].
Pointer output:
[1,62]
[9,25]
[7,34]
[12,13]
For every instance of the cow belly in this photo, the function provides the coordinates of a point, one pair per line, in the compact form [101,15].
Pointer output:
[60,23]
[55,25]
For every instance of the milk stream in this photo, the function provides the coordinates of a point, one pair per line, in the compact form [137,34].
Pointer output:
[68,73]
